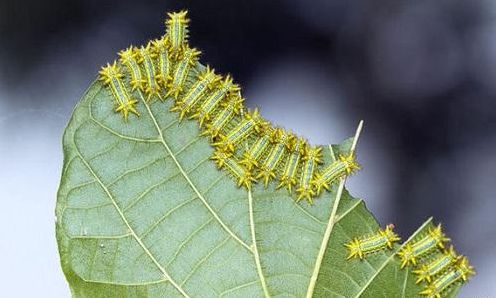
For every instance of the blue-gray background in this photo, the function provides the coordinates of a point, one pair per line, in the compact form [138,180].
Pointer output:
[420,73]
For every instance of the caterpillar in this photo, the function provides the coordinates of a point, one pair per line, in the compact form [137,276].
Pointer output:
[345,165]
[214,128]
[362,246]
[112,77]
[461,271]
[288,178]
[177,31]
[283,140]
[190,57]
[242,174]
[306,185]
[207,80]
[227,87]
[128,58]
[252,155]
[164,64]
[434,238]
[428,271]
[251,122]
[146,58]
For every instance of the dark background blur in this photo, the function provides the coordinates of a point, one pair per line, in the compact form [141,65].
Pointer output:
[420,73]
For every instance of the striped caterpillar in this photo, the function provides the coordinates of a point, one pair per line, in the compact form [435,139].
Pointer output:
[226,89]
[190,57]
[152,88]
[427,271]
[461,271]
[345,165]
[207,80]
[240,173]
[289,176]
[411,252]
[282,141]
[112,77]
[160,47]
[362,246]
[128,58]
[177,31]
[311,160]
[252,155]
[252,122]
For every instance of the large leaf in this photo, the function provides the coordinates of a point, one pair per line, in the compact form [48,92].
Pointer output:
[143,212]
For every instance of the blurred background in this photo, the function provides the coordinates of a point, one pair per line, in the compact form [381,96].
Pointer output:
[420,73]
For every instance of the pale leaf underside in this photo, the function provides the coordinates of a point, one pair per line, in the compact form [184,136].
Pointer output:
[143,212]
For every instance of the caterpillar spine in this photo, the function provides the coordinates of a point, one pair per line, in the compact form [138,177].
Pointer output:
[177,31]
[128,58]
[112,77]
[207,80]
[362,246]
[411,252]
[427,271]
[310,163]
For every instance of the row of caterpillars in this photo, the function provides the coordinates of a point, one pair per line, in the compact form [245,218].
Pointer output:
[246,145]
[435,264]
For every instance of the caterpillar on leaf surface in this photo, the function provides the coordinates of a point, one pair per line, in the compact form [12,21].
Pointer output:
[240,173]
[128,57]
[252,122]
[146,57]
[251,156]
[160,47]
[190,57]
[412,251]
[344,166]
[311,160]
[289,176]
[365,245]
[426,272]
[213,129]
[112,77]
[460,272]
[282,141]
[207,80]
[227,88]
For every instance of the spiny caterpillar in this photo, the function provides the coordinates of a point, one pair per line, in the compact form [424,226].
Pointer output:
[128,58]
[240,173]
[112,77]
[345,165]
[365,245]
[251,122]
[305,189]
[146,58]
[226,89]
[282,140]
[461,271]
[177,31]
[427,271]
[213,129]
[252,155]
[247,145]
[164,64]
[207,80]
[289,176]
[190,57]
[411,252]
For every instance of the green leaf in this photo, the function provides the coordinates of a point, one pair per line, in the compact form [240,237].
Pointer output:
[142,211]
